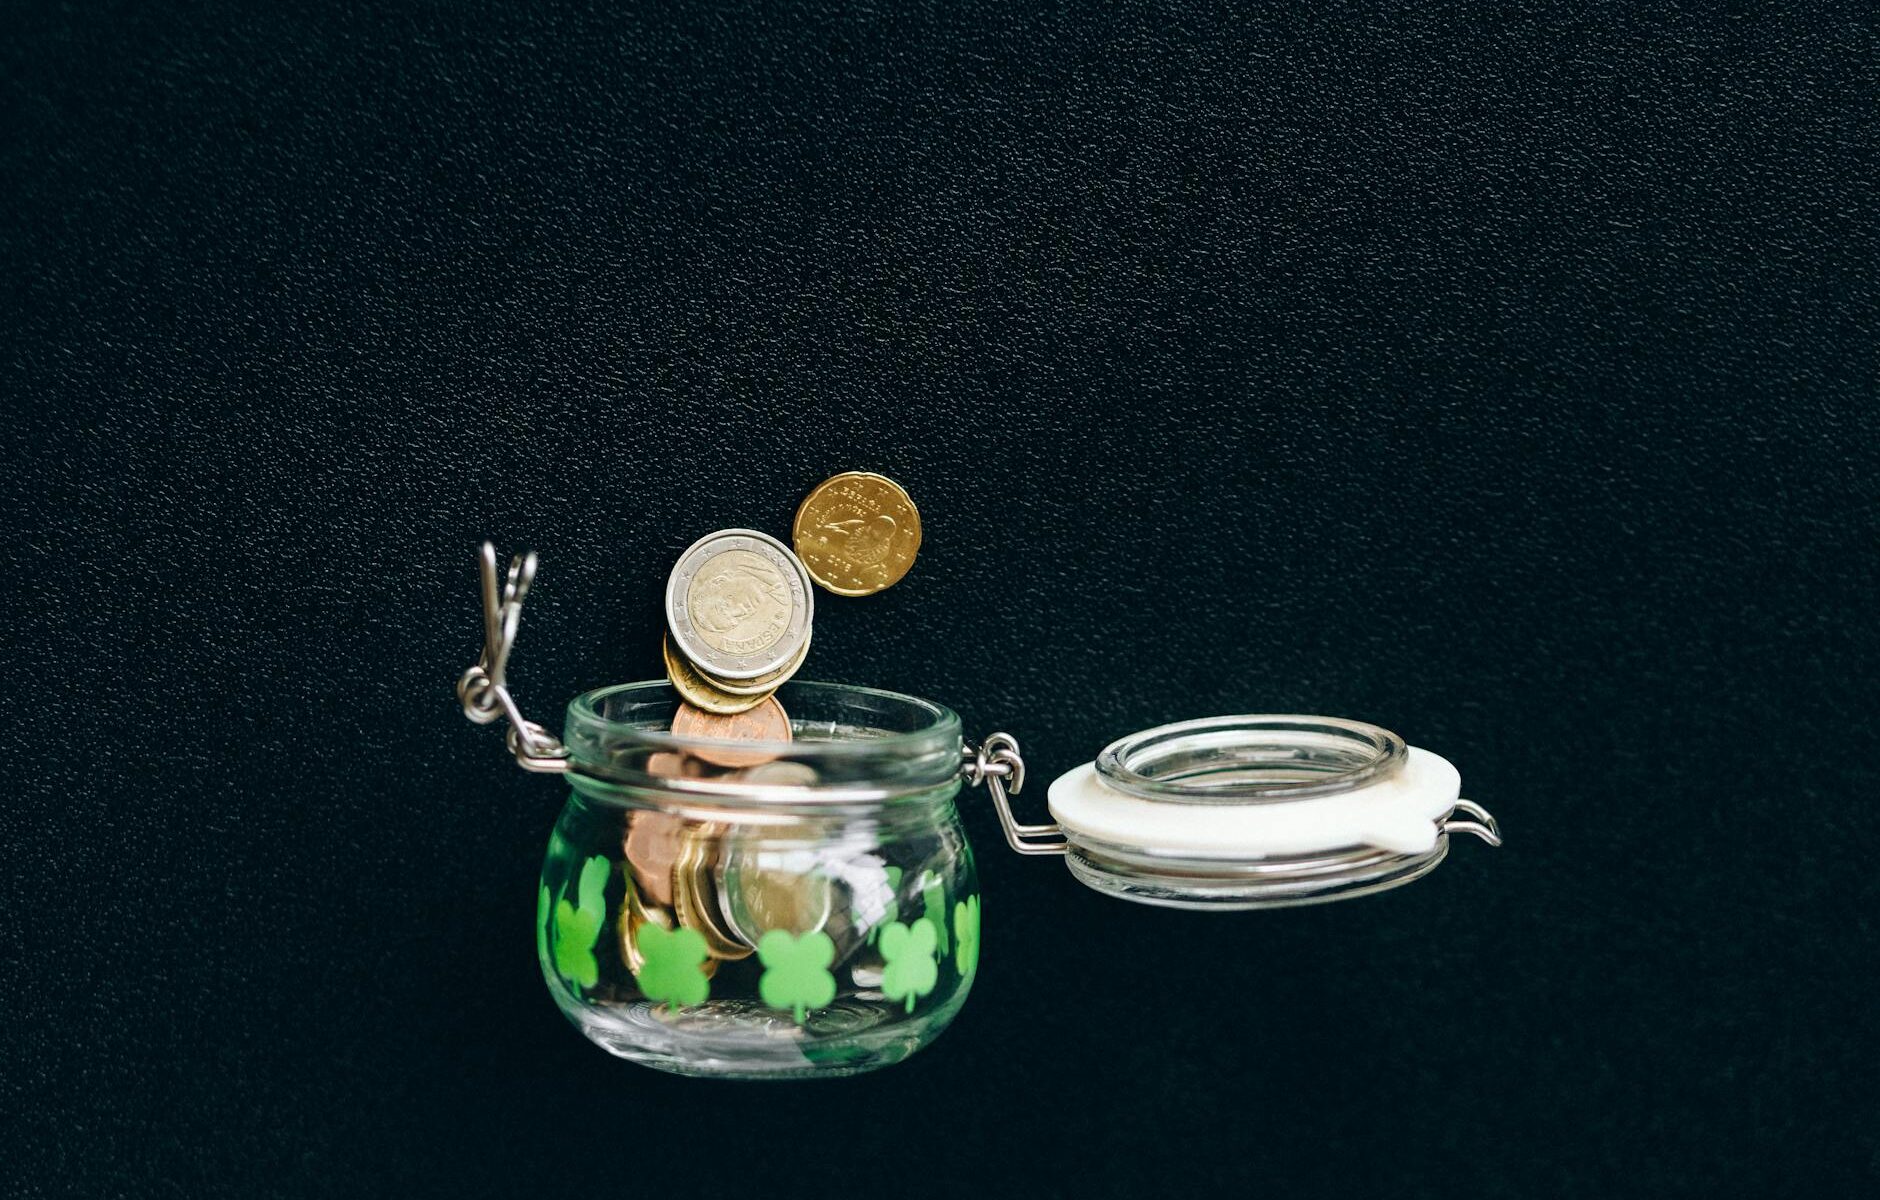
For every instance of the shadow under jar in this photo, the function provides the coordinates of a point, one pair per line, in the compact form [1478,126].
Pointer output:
[760,910]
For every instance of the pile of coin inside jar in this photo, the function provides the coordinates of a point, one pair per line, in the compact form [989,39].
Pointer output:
[740,609]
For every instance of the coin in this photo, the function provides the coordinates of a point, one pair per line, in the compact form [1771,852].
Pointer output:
[652,845]
[763,685]
[638,915]
[739,604]
[670,765]
[765,723]
[700,692]
[857,533]
[762,889]
[694,896]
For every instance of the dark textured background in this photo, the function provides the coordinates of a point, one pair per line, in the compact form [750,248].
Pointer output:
[1509,381]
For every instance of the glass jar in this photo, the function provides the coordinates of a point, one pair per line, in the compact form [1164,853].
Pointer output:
[769,910]
[760,910]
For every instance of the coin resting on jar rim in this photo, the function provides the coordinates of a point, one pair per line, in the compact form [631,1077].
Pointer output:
[739,604]
[765,723]
[857,533]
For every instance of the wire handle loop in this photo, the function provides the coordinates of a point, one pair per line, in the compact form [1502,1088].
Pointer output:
[1484,826]
[484,688]
[998,764]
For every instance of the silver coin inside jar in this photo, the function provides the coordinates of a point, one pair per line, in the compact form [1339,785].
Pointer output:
[739,604]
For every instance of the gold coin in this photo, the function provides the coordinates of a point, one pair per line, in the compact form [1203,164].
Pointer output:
[857,532]
[697,691]
[765,723]
[694,898]
[638,915]
[763,685]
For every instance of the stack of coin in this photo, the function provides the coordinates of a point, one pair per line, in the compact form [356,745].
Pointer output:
[739,613]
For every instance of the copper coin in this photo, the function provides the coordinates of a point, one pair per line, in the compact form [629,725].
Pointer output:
[653,843]
[765,723]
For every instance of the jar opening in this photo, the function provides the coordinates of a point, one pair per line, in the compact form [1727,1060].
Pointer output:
[851,745]
[1251,759]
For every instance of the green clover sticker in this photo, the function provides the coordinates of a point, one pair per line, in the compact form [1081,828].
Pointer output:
[671,971]
[795,971]
[577,928]
[966,936]
[909,956]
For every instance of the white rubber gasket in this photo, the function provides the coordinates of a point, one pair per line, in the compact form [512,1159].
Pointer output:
[1400,813]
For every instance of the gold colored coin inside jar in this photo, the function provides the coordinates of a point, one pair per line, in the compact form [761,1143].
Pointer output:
[857,533]
[695,897]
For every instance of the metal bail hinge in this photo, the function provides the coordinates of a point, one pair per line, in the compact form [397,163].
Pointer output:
[1484,826]
[484,688]
[996,764]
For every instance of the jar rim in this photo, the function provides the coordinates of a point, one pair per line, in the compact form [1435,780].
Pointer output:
[942,722]
[1258,758]
[864,747]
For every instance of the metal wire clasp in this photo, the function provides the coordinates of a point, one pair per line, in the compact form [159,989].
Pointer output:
[996,763]
[1484,826]
[484,688]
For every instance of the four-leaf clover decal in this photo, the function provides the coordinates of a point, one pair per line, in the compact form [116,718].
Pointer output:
[966,936]
[577,928]
[796,974]
[671,970]
[908,954]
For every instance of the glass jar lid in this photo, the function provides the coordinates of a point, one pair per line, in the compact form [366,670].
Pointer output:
[1258,811]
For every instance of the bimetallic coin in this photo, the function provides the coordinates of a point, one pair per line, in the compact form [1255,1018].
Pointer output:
[761,889]
[763,685]
[765,723]
[739,604]
[700,692]
[857,533]
[694,896]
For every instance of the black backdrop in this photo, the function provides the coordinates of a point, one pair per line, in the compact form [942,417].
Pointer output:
[1508,380]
